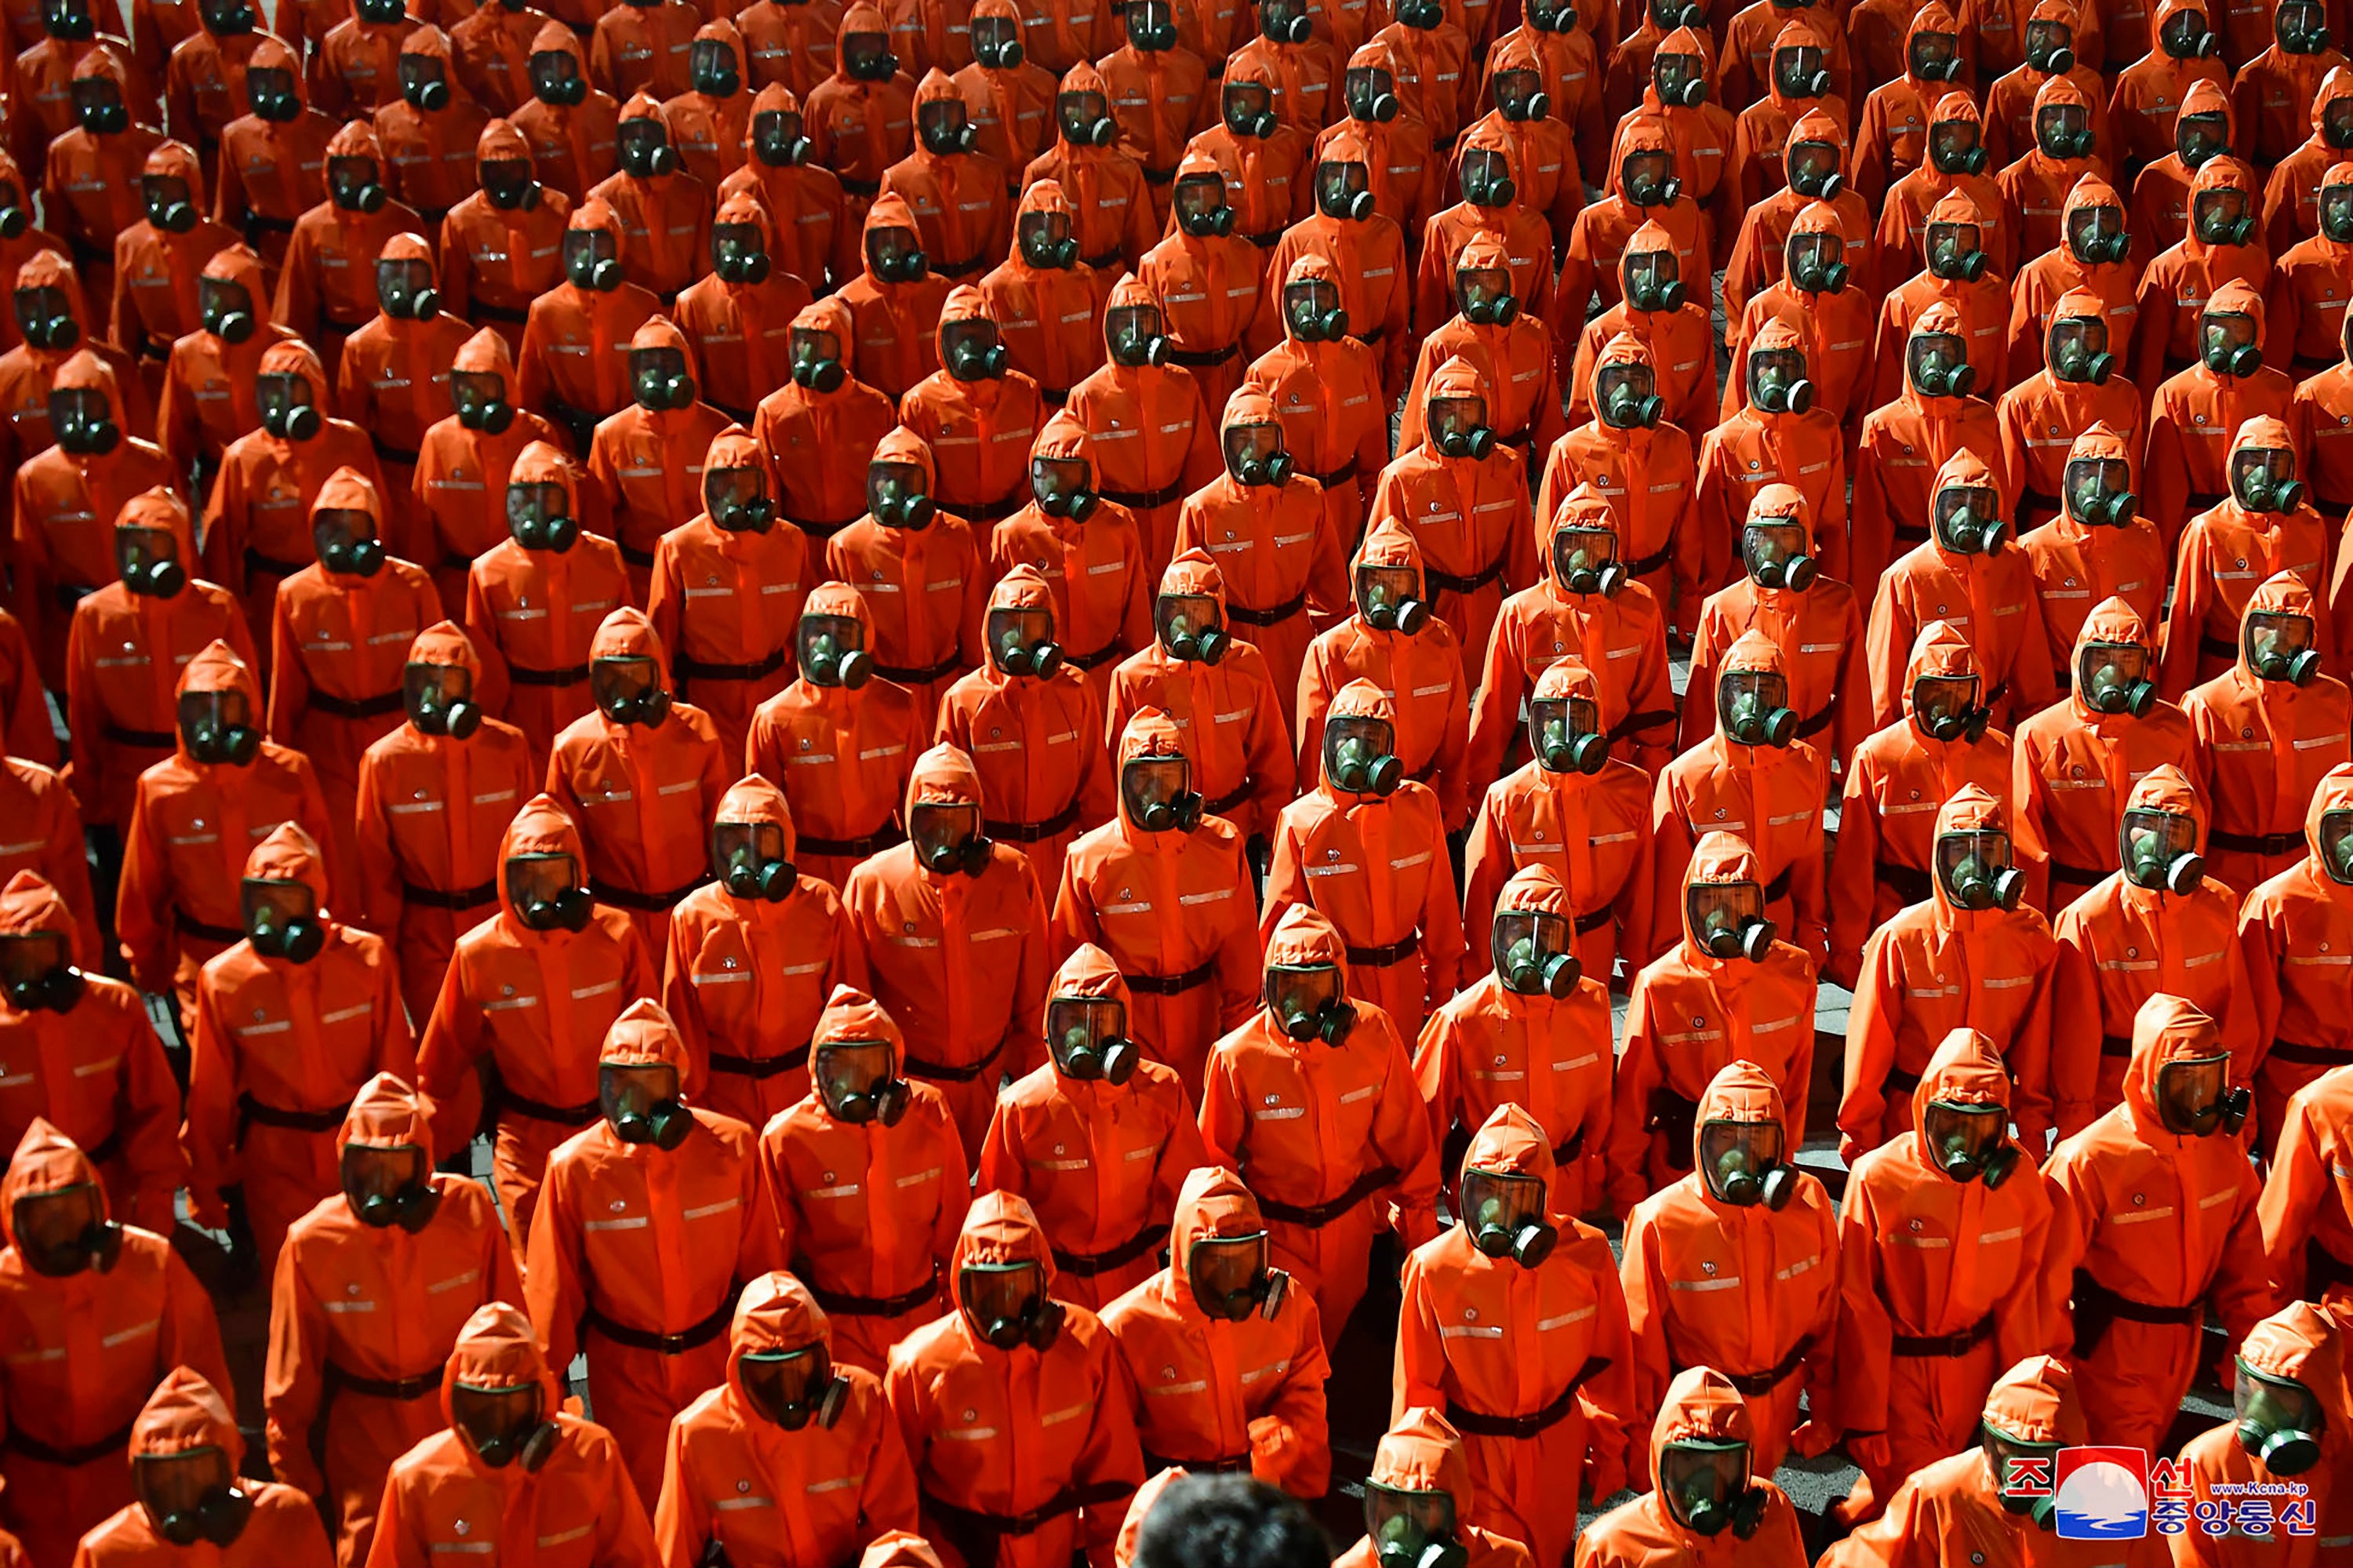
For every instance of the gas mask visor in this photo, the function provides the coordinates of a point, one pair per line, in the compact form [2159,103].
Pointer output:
[1084,119]
[640,1104]
[2222,216]
[897,494]
[791,1388]
[1967,1140]
[628,689]
[739,254]
[548,892]
[272,94]
[778,140]
[507,182]
[2336,846]
[1313,310]
[1753,706]
[2063,131]
[1136,335]
[2097,235]
[1458,427]
[1934,56]
[2264,478]
[2229,343]
[64,1233]
[592,260]
[1626,394]
[1565,735]
[1585,559]
[218,727]
[997,42]
[1308,1002]
[660,379]
[503,1425]
[1232,1276]
[2078,350]
[1360,755]
[1191,627]
[1063,487]
[1388,598]
[1007,1303]
[2336,123]
[480,400]
[2279,647]
[748,859]
[1201,209]
[1344,190]
[2021,1471]
[423,82]
[1975,870]
[1680,79]
[2051,47]
[1371,94]
[1773,552]
[1705,1484]
[1047,239]
[2198,138]
[2279,1420]
[1648,175]
[868,57]
[1956,251]
[1248,110]
[1654,280]
[1816,264]
[711,66]
[1022,641]
[1777,382]
[1945,707]
[356,184]
[737,499]
[45,318]
[1534,954]
[2301,27]
[946,836]
[539,516]
[345,539]
[1800,72]
[37,971]
[2114,678]
[1486,178]
[855,1080]
[1812,169]
[288,405]
[2194,1097]
[1088,1036]
[2099,493]
[386,1186]
[2337,211]
[81,418]
[830,651]
[280,918]
[1413,1528]
[191,1496]
[1969,519]
[1742,1162]
[556,78]
[2159,850]
[1255,454]
[1520,94]
[1158,794]
[970,349]
[1938,365]
[169,204]
[1503,1215]
[1728,919]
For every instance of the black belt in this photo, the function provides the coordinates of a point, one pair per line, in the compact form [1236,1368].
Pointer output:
[1033,833]
[1674,1118]
[1108,258]
[1643,565]
[1275,616]
[1224,804]
[1951,1347]
[259,564]
[540,1110]
[908,676]
[2310,1056]
[1267,241]
[1231,1465]
[1910,885]
[453,900]
[1778,888]
[760,1067]
[1585,925]
[1168,175]
[2323,1268]
[390,453]
[1388,953]
[1897,1082]
[2097,1308]
[1086,1266]
[1147,500]
[402,1388]
[482,307]
[961,268]
[68,596]
[860,187]
[383,702]
[266,225]
[114,1444]
[2253,843]
[2118,1045]
[1815,725]
[106,1148]
[989,511]
[820,530]
[976,1535]
[644,902]
[880,839]
[327,1121]
[1344,474]
[1446,582]
[696,670]
[1642,718]
[915,1066]
[1171,985]
[1909,533]
[1201,359]
[842,1305]
[1478,1424]
[1097,660]
[744,417]
[634,556]
[676,1344]
[2220,646]
[1569,1147]
[1757,1385]
[154,740]
[1316,1216]
[189,926]
[522,675]
[2076,875]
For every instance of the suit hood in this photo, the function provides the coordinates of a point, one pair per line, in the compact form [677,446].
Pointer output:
[185,1413]
[1964,1070]
[1511,1142]
[625,634]
[2036,1401]
[386,1114]
[1719,857]
[46,1161]
[644,1036]
[852,1015]
[541,828]
[1421,1453]
[289,855]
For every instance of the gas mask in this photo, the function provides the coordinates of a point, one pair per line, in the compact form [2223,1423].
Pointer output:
[1669,14]
[271,94]
[1626,396]
[1817,264]
[640,1103]
[1648,177]
[997,43]
[504,1424]
[856,1081]
[1388,598]
[896,495]
[1566,736]
[1652,281]
[1158,795]
[748,859]
[2097,235]
[1007,1304]
[970,349]
[45,318]
[81,418]
[1520,95]
[2195,1099]
[1371,95]
[2336,123]
[1585,560]
[67,1231]
[1231,1278]
[2336,212]
[830,651]
[218,729]
[2301,27]
[2159,851]
[792,1388]
[1151,26]
[1969,519]
[2051,47]
[945,127]
[1487,178]
[98,106]
[1360,755]
[228,18]
[345,541]
[2078,350]
[548,892]
[1706,1487]
[191,1496]
[1533,955]
[224,307]
[68,20]
[1975,870]
[1777,383]
[1968,1141]
[711,68]
[281,918]
[2114,678]
[1084,119]
[1413,1528]
[1503,1215]
[947,838]
[1753,707]
[556,78]
[1953,249]
[1201,209]
[39,974]
[1063,487]
[2063,131]
[288,405]
[592,260]
[1944,708]
[2020,1471]
[15,218]
[1344,191]
[1248,110]
[1548,18]
[1681,80]
[439,700]
[387,1187]
[2264,481]
[2222,215]
[1773,553]
[1938,365]
[1254,454]
[2099,494]
[737,499]
[777,138]
[1192,628]
[1308,1002]
[867,57]
[1812,169]
[170,205]
[1135,335]
[423,83]
[539,516]
[2199,138]
[739,253]
[1458,427]
[1800,72]
[817,360]
[148,562]
[2336,846]
[1088,1036]
[405,290]
[660,379]
[1728,919]
[2279,1420]
[1284,22]
[628,690]
[1022,641]
[1937,57]
[1742,1163]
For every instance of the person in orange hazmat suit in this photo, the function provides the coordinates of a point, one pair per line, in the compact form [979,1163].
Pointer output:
[2292,191]
[1972,957]
[491,52]
[895,302]
[38,799]
[177,905]
[1110,197]
[2140,1296]
[1361,1158]
[575,365]
[817,421]
[1746,986]
[2058,44]
[502,245]
[2073,763]
[272,156]
[2263,525]
[1106,1217]
[2304,1219]
[1327,390]
[868,1176]
[1011,95]
[1510,349]
[1225,1360]
[664,211]
[1655,310]
[156,261]
[535,660]
[394,381]
[1587,606]
[1746,1208]
[1706,1483]
[1756,778]
[88,1067]
[2221,246]
[646,1304]
[2202,132]
[2064,148]
[1267,159]
[1155,435]
[2272,93]
[2198,410]
[644,46]
[1307,64]
[953,928]
[572,125]
[1567,1399]
[861,119]
[433,798]
[2305,299]
[644,463]
[1217,689]
[102,1310]
[126,646]
[353,69]
[2094,255]
[1050,304]
[1363,260]
[1954,245]
[432,133]
[1955,166]
[2286,928]
[1643,466]
[2264,733]
[1205,279]
[1642,188]
[1778,434]
[1087,548]
[1419,1496]
[1396,642]
[710,120]
[89,120]
[1777,68]
[510,1462]
[1810,167]
[290,1023]
[326,273]
[641,775]
[1030,722]
[1366,848]
[424,1249]
[208,398]
[815,1431]
[1815,622]
[203,86]
[1576,810]
[1822,299]
[1493,208]
[733,981]
[25,724]
[2098,548]
[1969,574]
[1893,132]
[2159,925]
[2046,412]
[1964,1507]
[2288,1391]
[977,413]
[1906,442]
[2183,56]
[1923,1329]
[534,988]
[55,315]
[963,218]
[457,507]
[738,318]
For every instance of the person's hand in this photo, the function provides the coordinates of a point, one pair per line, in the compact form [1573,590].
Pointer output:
[1870,1451]
[1812,1440]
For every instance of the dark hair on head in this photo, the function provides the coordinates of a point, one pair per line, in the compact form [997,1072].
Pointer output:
[1230,1521]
